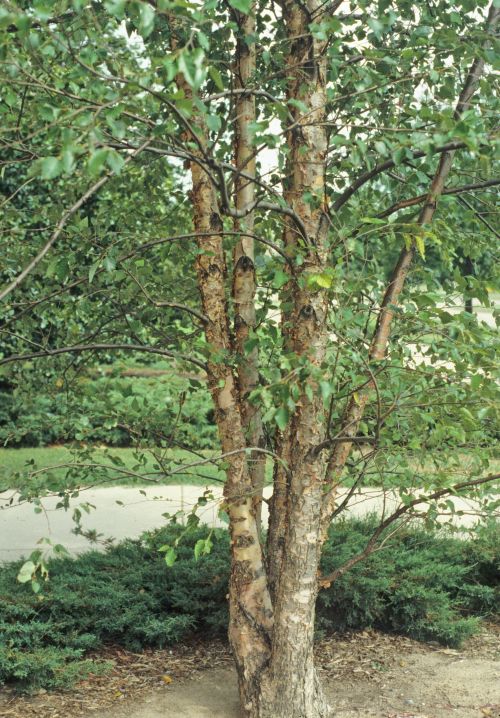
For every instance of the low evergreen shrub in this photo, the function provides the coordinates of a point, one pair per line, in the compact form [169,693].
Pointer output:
[424,585]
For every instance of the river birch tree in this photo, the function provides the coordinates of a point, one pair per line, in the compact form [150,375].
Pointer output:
[320,153]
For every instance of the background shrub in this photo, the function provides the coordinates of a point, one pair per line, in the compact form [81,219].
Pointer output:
[110,409]
[424,585]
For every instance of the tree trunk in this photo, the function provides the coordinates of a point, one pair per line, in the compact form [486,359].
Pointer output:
[249,603]
[290,687]
[250,612]
[274,654]
[244,286]
[272,606]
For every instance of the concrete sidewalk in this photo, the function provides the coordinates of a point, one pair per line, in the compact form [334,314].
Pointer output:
[127,512]
[119,513]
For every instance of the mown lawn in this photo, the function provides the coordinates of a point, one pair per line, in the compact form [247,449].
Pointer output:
[122,466]
[127,467]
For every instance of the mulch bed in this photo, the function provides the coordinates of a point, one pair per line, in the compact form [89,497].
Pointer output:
[370,655]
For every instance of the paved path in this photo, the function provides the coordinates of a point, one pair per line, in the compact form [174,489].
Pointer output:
[127,512]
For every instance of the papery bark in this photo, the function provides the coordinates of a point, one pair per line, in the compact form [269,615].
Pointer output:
[250,613]
[244,286]
[296,510]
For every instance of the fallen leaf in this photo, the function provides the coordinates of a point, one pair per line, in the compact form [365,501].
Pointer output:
[490,710]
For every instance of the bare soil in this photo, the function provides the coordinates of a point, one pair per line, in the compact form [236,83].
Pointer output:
[367,674]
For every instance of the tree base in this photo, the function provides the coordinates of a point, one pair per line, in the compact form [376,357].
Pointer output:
[289,696]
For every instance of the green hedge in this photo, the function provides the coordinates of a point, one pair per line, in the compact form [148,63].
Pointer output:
[422,585]
[110,409]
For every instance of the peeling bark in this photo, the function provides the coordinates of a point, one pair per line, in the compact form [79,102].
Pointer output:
[272,605]
[296,510]
[250,606]
[250,621]
[244,254]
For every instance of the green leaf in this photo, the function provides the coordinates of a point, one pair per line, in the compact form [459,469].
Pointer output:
[399,155]
[250,344]
[146,19]
[243,6]
[61,550]
[97,160]
[202,548]
[51,167]
[213,123]
[170,556]
[191,64]
[93,269]
[326,390]
[372,220]
[280,279]
[68,161]
[109,263]
[115,161]
[476,381]
[216,77]
[281,417]
[323,280]
[116,7]
[298,104]
[26,572]
[419,241]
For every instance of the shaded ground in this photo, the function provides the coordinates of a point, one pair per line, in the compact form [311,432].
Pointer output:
[367,674]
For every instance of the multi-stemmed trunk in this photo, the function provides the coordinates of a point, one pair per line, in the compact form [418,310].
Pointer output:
[273,641]
[272,597]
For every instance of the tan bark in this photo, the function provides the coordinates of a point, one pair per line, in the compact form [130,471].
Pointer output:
[296,515]
[273,646]
[250,607]
[244,256]
[303,311]
[250,621]
[357,404]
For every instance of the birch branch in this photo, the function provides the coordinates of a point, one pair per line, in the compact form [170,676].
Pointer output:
[412,201]
[382,167]
[326,581]
[78,348]
[355,408]
[62,223]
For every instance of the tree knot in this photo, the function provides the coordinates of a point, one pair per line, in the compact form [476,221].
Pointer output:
[215,222]
[245,264]
[307,312]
